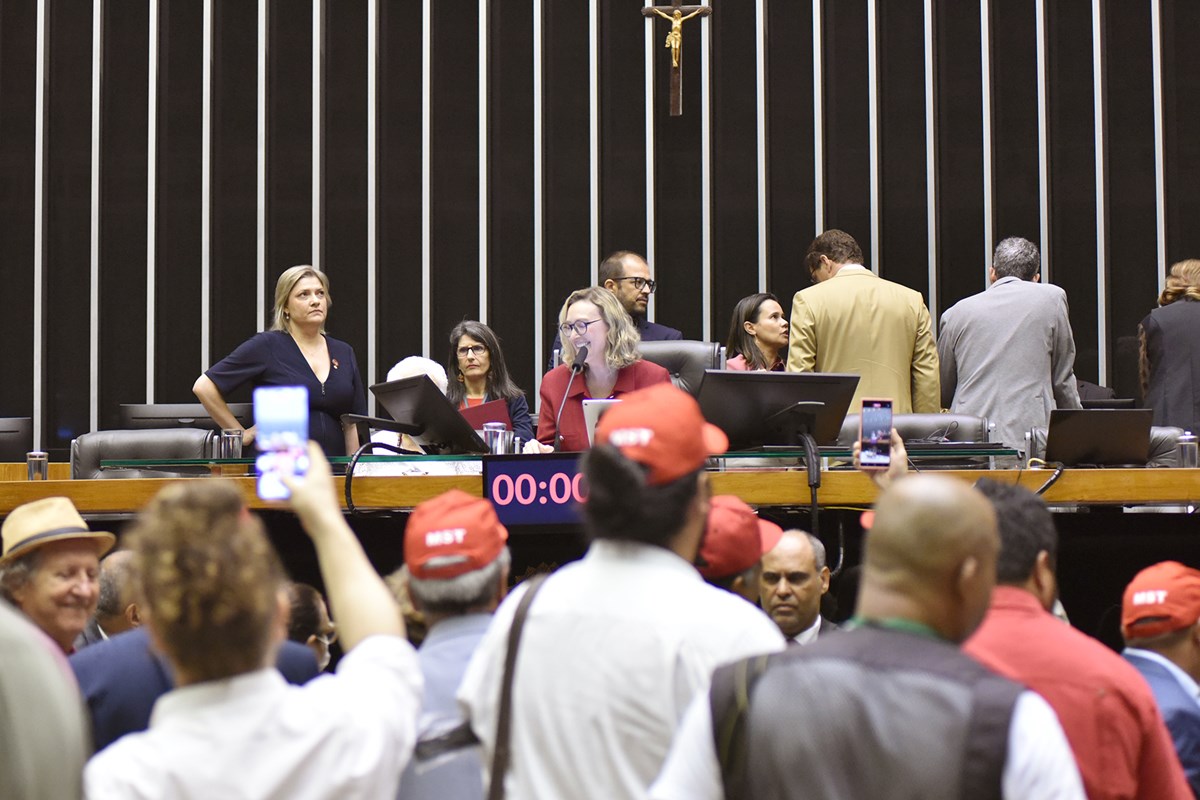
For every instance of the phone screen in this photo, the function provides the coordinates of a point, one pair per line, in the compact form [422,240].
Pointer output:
[876,433]
[281,417]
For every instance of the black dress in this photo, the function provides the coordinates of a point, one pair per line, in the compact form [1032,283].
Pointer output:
[273,358]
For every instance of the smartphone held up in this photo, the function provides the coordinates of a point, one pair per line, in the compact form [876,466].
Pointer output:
[281,417]
[875,433]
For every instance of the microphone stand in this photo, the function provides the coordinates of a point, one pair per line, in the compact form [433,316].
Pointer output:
[577,367]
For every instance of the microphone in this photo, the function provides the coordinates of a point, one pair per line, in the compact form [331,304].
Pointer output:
[577,366]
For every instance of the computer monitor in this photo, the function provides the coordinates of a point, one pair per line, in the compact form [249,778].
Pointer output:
[432,420]
[773,408]
[136,416]
[16,438]
[1100,437]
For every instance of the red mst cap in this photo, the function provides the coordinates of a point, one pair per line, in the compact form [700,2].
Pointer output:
[452,534]
[1161,598]
[735,538]
[661,428]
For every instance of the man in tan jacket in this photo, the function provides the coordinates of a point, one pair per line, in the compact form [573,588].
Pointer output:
[852,320]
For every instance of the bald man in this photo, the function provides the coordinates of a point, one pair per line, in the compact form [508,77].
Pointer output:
[793,581]
[896,709]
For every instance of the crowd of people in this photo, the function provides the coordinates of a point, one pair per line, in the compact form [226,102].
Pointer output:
[685,655]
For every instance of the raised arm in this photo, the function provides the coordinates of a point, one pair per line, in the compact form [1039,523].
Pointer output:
[362,604]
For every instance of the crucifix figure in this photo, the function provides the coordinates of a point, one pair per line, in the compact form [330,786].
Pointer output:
[674,14]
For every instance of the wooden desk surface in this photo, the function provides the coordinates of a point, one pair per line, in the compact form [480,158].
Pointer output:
[1114,486]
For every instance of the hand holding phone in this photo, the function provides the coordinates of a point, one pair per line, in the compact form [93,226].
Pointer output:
[875,433]
[281,417]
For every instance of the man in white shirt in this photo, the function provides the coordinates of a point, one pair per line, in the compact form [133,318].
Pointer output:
[212,590]
[616,645]
[891,708]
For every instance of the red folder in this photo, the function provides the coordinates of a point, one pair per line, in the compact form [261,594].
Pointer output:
[491,411]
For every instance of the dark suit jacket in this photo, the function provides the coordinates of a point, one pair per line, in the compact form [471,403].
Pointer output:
[91,635]
[122,677]
[1180,711]
[1173,351]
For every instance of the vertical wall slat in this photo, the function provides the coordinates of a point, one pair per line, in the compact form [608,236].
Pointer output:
[94,233]
[151,190]
[1098,101]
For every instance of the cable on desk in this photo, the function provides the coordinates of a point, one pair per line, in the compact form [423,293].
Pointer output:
[354,463]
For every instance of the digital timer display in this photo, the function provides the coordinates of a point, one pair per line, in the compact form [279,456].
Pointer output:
[534,489]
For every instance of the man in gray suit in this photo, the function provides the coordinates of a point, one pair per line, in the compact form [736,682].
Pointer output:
[1007,353]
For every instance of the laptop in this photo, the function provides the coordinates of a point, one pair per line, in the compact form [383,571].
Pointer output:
[1100,437]
[592,410]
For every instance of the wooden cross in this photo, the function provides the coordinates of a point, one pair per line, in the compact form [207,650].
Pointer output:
[676,14]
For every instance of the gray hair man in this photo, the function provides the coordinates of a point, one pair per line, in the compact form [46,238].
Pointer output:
[1008,353]
[794,579]
[458,565]
[50,565]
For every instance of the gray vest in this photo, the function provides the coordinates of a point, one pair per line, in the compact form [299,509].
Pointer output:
[868,713]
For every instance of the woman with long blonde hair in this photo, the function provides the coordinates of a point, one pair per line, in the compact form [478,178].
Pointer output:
[594,319]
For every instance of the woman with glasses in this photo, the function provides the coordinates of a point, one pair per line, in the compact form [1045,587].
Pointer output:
[591,318]
[758,334]
[478,375]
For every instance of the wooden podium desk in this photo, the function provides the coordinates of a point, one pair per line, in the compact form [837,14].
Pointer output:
[760,488]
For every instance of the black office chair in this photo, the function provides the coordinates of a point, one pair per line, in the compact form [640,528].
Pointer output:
[1163,439]
[16,438]
[89,449]
[686,360]
[925,427]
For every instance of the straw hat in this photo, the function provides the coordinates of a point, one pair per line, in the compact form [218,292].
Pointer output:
[43,521]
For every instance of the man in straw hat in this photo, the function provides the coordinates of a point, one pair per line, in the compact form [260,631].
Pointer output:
[50,566]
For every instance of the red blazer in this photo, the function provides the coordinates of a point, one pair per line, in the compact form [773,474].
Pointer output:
[637,375]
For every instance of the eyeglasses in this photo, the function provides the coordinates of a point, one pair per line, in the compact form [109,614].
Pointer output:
[580,326]
[474,350]
[641,283]
[327,638]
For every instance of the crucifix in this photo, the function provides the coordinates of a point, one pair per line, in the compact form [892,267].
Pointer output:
[675,14]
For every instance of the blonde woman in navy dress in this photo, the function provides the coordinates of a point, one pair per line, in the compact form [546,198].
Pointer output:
[295,352]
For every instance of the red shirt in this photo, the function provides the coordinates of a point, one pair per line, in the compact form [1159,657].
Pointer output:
[637,375]
[1105,707]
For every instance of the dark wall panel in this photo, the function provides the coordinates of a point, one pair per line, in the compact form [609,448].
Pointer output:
[678,202]
[289,139]
[1132,221]
[177,180]
[18,93]
[1181,127]
[124,146]
[959,101]
[735,162]
[234,173]
[847,139]
[1015,210]
[622,127]
[790,197]
[904,245]
[455,165]
[344,163]
[398,304]
[1073,172]
[565,182]
[510,189]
